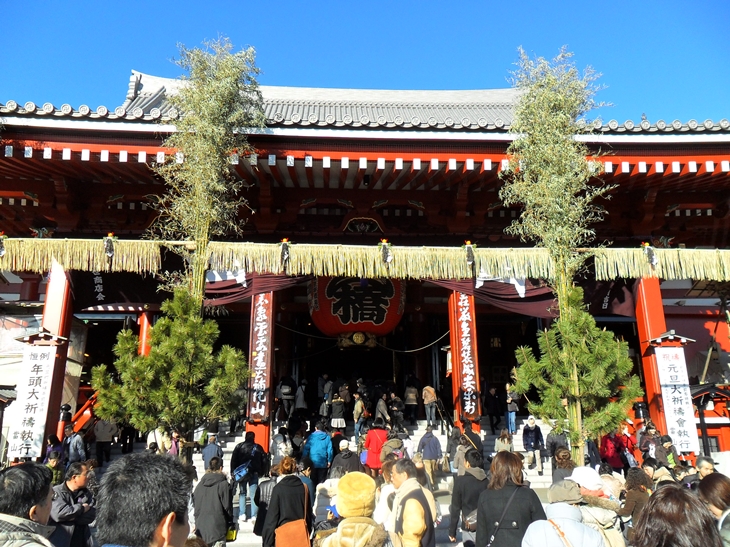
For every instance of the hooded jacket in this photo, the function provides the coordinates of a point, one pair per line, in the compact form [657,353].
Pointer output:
[348,460]
[18,532]
[213,507]
[465,497]
[318,448]
[287,504]
[430,447]
[569,519]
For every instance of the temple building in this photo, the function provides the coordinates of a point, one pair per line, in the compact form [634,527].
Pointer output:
[374,247]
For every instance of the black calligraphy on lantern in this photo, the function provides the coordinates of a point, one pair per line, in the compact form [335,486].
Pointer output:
[360,301]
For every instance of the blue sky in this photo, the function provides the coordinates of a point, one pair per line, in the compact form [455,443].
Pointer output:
[667,59]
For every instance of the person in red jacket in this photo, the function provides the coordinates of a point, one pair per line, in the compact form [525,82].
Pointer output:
[612,447]
[374,441]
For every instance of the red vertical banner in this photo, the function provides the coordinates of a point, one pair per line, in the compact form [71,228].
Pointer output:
[464,357]
[262,333]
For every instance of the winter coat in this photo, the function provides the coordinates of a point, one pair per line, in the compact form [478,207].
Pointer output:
[291,388]
[408,513]
[459,460]
[430,447]
[561,474]
[318,448]
[17,532]
[523,511]
[358,409]
[612,447]
[347,460]
[532,438]
[389,447]
[651,447]
[594,457]
[503,446]
[381,411]
[511,401]
[411,396]
[465,496]
[452,443]
[569,519]
[554,441]
[301,400]
[67,513]
[723,524]
[325,496]
[244,452]
[633,506]
[261,498]
[493,405]
[287,504]
[374,441]
[105,431]
[162,439]
[601,514]
[280,446]
[213,507]
[355,532]
[338,409]
[74,448]
[210,451]
[429,395]
[381,515]
[476,442]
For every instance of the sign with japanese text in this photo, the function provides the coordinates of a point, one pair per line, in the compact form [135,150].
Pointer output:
[262,322]
[464,354]
[677,399]
[28,412]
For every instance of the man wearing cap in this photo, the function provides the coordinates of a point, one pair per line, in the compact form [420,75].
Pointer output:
[599,512]
[564,519]
[346,458]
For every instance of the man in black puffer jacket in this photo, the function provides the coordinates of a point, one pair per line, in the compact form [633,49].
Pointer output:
[465,496]
[533,443]
[347,459]
[213,505]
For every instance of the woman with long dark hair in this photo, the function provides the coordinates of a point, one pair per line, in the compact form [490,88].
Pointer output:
[506,508]
[714,491]
[675,516]
[289,502]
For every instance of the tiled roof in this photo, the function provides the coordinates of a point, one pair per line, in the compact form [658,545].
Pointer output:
[487,110]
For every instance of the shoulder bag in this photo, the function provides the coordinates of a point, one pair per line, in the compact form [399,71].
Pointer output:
[560,532]
[294,533]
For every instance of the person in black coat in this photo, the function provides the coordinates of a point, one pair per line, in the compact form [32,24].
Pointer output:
[213,504]
[475,440]
[346,459]
[288,502]
[523,510]
[465,497]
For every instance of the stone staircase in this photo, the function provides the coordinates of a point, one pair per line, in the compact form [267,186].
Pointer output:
[443,486]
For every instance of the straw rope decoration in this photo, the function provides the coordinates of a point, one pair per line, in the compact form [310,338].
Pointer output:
[36,255]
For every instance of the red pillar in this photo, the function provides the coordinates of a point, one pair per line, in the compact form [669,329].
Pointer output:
[464,359]
[260,394]
[57,316]
[145,331]
[650,324]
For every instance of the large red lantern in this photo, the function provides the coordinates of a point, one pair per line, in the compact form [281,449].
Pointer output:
[356,310]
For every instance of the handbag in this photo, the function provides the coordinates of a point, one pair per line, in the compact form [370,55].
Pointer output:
[504,512]
[630,459]
[294,533]
[469,522]
[445,467]
[231,533]
[240,472]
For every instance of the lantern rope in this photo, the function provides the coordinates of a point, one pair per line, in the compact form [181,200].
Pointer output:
[414,350]
[305,333]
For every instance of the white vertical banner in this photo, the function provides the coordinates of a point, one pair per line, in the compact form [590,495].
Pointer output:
[28,413]
[677,399]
